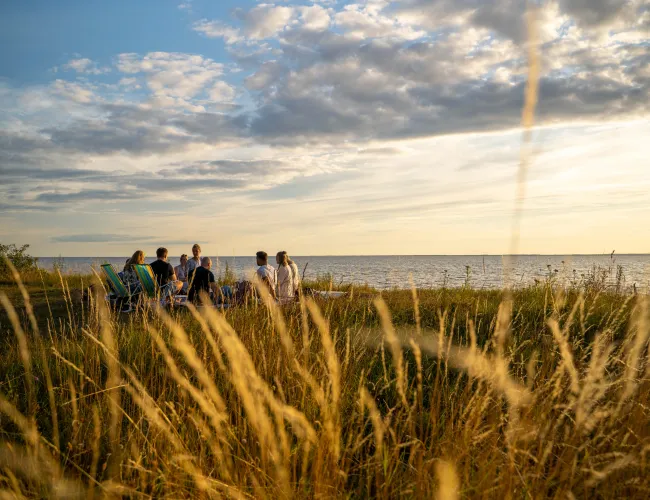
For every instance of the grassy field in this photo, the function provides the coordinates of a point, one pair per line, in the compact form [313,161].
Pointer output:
[450,393]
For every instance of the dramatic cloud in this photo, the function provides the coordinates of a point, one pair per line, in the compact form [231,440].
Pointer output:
[310,97]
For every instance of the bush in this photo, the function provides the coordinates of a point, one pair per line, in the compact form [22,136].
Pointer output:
[19,257]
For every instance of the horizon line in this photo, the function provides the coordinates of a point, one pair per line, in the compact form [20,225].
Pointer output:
[372,255]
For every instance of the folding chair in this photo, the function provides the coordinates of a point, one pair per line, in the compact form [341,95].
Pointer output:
[150,287]
[120,291]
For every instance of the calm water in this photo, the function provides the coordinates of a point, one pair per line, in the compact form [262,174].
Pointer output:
[427,271]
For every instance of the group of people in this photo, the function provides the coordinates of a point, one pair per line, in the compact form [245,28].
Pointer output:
[194,276]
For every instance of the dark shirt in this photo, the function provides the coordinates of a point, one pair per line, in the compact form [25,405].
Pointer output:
[202,278]
[163,271]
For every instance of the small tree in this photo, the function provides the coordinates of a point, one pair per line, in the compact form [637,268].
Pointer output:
[19,257]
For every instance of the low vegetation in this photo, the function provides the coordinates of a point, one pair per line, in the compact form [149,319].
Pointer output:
[448,392]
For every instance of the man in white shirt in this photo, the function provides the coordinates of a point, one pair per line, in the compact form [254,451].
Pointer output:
[266,273]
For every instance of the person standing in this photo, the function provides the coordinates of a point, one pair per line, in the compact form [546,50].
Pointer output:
[195,261]
[265,273]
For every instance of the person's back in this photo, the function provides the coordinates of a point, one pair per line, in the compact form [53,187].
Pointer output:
[286,275]
[266,273]
[129,277]
[202,281]
[285,284]
[163,271]
[295,274]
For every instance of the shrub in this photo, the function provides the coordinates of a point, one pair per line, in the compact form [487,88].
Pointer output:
[19,257]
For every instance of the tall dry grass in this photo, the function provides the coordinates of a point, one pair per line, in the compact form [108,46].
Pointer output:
[448,393]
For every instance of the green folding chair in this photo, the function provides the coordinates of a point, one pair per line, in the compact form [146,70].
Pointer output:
[147,281]
[114,281]
[120,291]
[150,287]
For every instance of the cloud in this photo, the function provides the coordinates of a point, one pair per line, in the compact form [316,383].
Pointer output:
[314,18]
[174,79]
[21,207]
[77,92]
[97,195]
[142,130]
[99,238]
[218,29]
[606,13]
[369,21]
[312,90]
[380,77]
[8,173]
[85,66]
[264,20]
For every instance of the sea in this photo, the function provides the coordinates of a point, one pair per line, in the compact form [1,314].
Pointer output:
[626,272]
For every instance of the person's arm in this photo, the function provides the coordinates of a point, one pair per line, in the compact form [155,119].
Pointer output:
[213,285]
[172,275]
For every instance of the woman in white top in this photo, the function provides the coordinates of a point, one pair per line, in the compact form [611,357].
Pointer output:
[181,272]
[288,279]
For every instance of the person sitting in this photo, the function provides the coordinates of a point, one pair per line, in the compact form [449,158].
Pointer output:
[202,281]
[265,273]
[181,273]
[129,277]
[165,275]
[288,279]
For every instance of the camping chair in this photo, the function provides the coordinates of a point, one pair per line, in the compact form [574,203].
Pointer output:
[150,287]
[120,291]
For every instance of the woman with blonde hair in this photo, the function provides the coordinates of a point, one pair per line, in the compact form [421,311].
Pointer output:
[130,278]
[288,278]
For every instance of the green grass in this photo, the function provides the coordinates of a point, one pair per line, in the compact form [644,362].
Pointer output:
[262,402]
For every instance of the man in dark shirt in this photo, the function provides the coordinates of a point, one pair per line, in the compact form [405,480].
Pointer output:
[165,274]
[203,281]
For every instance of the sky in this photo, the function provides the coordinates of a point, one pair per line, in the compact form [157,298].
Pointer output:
[321,127]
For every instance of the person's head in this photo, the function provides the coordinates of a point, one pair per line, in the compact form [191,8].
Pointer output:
[183,259]
[196,250]
[161,253]
[262,258]
[206,262]
[282,258]
[136,258]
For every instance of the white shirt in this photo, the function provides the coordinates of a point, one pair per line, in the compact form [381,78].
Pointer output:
[181,274]
[269,273]
[286,288]
[296,276]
